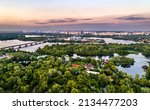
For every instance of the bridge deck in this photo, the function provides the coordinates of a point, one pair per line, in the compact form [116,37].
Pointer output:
[18,45]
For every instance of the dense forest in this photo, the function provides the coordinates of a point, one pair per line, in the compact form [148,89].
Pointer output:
[95,49]
[21,36]
[57,72]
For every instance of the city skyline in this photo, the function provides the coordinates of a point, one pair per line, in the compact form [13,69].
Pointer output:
[102,15]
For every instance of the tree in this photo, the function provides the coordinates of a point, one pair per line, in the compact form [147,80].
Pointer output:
[93,62]
[145,90]
[56,88]
[1,90]
[144,82]
[148,73]
[125,89]
[73,90]
[111,89]
[17,71]
[25,89]
[137,79]
[71,84]
[68,74]
[102,80]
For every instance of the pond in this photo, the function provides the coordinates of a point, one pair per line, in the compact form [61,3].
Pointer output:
[140,60]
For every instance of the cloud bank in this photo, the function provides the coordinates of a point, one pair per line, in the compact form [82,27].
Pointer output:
[134,18]
[65,20]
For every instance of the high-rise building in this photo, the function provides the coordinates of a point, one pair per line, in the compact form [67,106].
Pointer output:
[82,32]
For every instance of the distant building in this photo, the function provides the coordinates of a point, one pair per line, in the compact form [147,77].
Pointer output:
[28,36]
[74,38]
[89,66]
[82,32]
[105,59]
[75,65]
[84,40]
[67,39]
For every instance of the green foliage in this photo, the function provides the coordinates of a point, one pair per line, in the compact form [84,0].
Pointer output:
[95,49]
[23,57]
[111,89]
[54,74]
[148,73]
[145,90]
[1,90]
[123,61]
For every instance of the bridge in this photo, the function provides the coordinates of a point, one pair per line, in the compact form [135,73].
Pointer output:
[23,45]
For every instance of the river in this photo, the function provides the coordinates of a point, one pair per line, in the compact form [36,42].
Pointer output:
[110,40]
[35,47]
[107,40]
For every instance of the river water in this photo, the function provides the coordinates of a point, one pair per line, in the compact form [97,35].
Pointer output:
[35,47]
[110,40]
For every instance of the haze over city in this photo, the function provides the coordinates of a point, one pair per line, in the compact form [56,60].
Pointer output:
[101,15]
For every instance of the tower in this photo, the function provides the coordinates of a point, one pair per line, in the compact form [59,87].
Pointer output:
[82,32]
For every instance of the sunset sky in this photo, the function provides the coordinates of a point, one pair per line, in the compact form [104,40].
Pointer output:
[102,15]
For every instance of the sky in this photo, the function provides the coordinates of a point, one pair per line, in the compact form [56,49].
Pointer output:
[100,15]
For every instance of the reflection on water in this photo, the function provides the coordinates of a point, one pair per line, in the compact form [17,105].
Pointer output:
[140,60]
